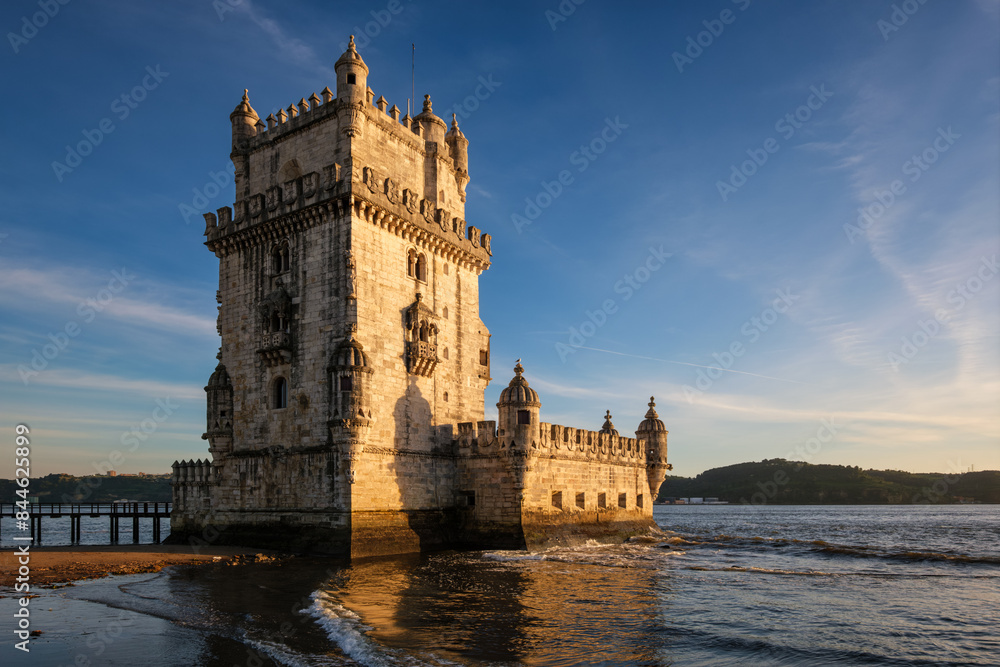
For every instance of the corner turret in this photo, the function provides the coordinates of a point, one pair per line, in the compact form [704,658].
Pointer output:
[518,408]
[245,122]
[652,437]
[352,76]
[458,148]
[432,128]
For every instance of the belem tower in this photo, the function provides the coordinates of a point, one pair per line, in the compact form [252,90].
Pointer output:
[346,414]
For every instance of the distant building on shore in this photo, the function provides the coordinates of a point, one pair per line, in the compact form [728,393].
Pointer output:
[346,413]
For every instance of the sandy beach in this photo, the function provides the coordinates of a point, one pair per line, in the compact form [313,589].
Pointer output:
[56,565]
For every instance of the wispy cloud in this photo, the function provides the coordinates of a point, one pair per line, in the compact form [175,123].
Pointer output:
[70,379]
[292,49]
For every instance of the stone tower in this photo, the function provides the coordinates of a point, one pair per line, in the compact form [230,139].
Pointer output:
[349,394]
[349,315]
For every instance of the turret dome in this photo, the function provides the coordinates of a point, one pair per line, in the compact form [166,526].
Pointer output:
[244,109]
[351,57]
[652,421]
[219,379]
[518,392]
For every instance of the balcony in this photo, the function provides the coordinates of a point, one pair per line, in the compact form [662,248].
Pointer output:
[421,358]
[276,347]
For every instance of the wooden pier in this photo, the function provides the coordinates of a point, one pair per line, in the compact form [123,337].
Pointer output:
[76,511]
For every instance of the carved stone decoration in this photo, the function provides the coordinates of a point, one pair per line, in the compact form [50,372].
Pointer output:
[428,210]
[410,201]
[276,340]
[273,198]
[371,180]
[349,116]
[444,220]
[239,212]
[310,183]
[256,205]
[331,174]
[351,274]
[391,190]
[485,239]
[291,191]
[225,216]
[421,339]
[474,236]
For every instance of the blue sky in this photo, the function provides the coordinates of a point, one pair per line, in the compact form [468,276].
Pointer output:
[781,219]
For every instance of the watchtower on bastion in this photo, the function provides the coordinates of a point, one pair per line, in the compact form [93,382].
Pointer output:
[346,414]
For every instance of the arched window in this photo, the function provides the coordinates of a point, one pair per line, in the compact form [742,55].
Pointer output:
[423,332]
[421,268]
[280,259]
[279,393]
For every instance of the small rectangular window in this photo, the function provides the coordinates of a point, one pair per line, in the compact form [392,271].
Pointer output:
[623,500]
[523,417]
[484,358]
[602,500]
[346,383]
[581,500]
[470,498]
[557,499]
[352,79]
[638,500]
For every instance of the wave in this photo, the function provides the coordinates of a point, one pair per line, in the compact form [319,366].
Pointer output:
[762,570]
[830,549]
[909,556]
[346,629]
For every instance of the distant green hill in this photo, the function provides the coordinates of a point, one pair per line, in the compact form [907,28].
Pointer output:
[777,481]
[58,488]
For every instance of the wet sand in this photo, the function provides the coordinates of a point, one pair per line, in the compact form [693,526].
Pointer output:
[57,565]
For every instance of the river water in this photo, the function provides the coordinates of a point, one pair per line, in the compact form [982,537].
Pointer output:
[723,585]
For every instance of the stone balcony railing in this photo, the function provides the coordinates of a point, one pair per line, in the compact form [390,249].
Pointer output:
[422,357]
[276,347]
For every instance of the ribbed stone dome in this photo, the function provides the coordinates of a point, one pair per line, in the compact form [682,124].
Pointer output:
[349,353]
[244,108]
[652,421]
[518,392]
[219,379]
[351,56]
